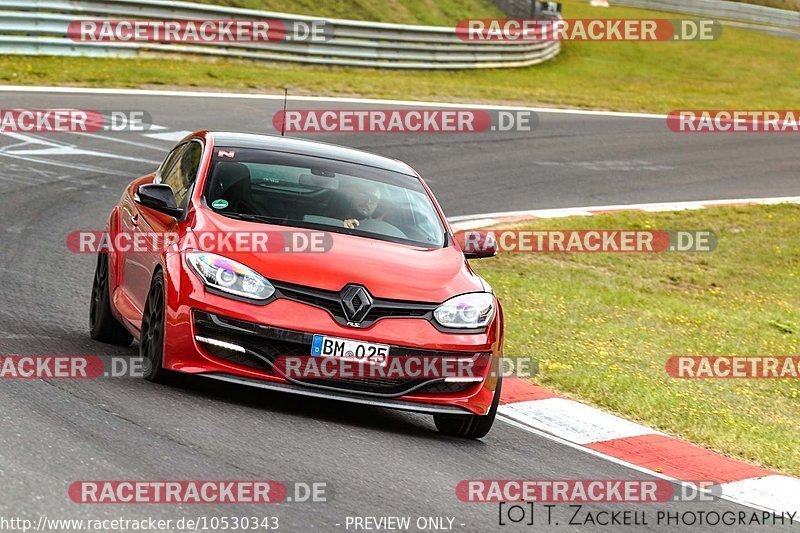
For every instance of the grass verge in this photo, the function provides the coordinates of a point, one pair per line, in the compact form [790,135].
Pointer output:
[603,325]
[742,70]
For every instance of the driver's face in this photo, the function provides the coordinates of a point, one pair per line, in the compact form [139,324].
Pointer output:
[364,203]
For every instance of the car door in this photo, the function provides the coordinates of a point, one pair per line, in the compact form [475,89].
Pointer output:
[179,172]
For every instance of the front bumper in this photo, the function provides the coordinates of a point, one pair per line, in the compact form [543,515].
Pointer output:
[286,328]
[262,345]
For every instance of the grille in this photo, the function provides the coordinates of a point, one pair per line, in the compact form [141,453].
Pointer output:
[444,387]
[331,302]
[265,343]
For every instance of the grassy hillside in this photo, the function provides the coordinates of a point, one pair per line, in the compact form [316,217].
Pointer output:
[433,12]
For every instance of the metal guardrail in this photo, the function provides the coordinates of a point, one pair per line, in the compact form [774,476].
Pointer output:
[722,9]
[39,27]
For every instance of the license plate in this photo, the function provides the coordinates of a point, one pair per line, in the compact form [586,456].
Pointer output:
[367,352]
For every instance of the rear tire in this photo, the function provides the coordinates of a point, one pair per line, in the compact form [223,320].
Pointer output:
[151,343]
[469,426]
[103,326]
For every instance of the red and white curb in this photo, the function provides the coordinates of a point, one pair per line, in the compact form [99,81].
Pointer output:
[468,222]
[645,449]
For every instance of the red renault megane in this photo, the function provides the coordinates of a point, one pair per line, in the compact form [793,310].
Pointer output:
[392,283]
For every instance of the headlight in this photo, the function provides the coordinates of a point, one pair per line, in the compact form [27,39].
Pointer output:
[473,310]
[229,276]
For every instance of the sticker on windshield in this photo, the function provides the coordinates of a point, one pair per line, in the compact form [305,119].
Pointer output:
[219,204]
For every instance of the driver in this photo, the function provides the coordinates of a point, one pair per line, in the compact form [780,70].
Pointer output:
[360,205]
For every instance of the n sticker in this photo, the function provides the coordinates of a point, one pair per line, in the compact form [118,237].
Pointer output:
[226,153]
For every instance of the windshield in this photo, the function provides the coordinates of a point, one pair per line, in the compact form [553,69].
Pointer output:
[304,191]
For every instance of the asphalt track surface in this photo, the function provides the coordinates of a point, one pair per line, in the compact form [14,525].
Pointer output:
[377,462]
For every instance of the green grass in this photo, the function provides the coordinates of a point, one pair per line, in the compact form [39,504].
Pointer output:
[603,325]
[437,12]
[743,70]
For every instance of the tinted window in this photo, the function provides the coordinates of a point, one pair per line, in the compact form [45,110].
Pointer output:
[168,163]
[183,171]
[306,191]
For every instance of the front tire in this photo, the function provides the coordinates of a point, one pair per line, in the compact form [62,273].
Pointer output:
[151,343]
[469,426]
[103,326]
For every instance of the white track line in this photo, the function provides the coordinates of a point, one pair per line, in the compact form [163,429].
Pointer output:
[56,148]
[774,491]
[465,222]
[573,421]
[248,96]
[121,141]
[66,164]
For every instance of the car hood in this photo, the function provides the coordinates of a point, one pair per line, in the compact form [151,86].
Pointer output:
[386,269]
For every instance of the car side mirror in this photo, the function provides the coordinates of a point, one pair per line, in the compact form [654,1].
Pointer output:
[476,244]
[159,197]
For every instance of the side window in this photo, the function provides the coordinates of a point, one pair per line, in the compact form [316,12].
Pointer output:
[184,171]
[169,162]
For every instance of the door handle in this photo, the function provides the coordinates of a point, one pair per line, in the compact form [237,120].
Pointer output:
[135,219]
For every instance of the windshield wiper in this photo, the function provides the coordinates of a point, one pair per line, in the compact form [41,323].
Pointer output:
[256,218]
[266,219]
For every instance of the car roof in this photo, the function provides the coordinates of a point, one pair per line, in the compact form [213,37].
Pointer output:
[311,148]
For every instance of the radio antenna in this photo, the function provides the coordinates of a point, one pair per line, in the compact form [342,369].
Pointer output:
[283,122]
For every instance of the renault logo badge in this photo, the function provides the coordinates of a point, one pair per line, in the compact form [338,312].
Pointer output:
[356,303]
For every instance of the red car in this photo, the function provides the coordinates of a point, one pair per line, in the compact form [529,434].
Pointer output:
[391,284]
